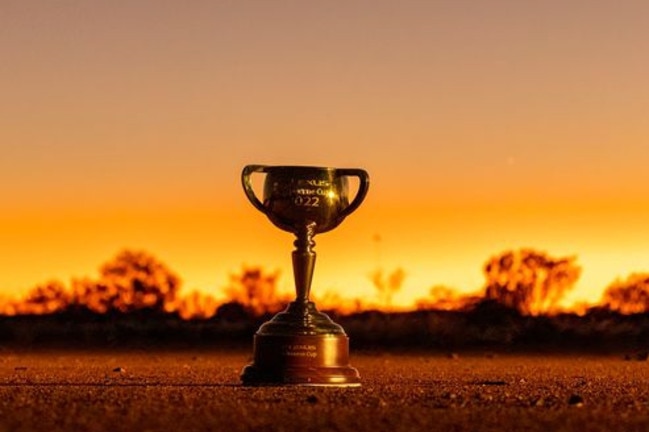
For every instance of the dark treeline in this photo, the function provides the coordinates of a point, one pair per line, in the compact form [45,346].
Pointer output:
[136,300]
[488,325]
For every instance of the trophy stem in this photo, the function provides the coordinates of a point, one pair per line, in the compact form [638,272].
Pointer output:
[304,262]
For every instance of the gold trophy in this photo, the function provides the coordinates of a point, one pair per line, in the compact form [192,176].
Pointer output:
[302,346]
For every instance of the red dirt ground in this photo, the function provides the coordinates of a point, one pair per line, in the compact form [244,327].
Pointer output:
[183,391]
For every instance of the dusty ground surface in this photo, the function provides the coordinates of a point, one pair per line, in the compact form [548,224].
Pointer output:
[139,390]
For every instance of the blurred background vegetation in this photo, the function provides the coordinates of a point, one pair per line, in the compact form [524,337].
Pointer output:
[137,296]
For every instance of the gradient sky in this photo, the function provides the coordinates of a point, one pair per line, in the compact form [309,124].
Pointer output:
[485,125]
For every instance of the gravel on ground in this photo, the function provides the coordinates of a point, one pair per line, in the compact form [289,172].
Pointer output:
[140,390]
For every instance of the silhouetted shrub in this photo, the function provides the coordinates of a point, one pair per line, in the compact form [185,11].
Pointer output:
[529,281]
[133,280]
[257,291]
[628,296]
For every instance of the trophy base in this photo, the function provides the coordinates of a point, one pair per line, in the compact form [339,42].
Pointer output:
[302,360]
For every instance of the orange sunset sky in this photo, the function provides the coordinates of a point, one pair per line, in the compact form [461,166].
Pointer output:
[485,126]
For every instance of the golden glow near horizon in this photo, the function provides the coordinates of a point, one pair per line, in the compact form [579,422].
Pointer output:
[484,128]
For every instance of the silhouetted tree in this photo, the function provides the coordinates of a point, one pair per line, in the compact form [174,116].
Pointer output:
[133,280]
[194,305]
[444,298]
[629,296]
[332,301]
[256,290]
[530,281]
[387,285]
[47,298]
[51,297]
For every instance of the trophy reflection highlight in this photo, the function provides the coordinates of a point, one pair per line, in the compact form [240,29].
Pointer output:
[302,346]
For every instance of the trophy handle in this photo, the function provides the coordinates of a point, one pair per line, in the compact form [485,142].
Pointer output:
[248,170]
[364,184]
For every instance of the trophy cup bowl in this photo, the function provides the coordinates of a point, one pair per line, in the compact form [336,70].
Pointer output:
[302,346]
